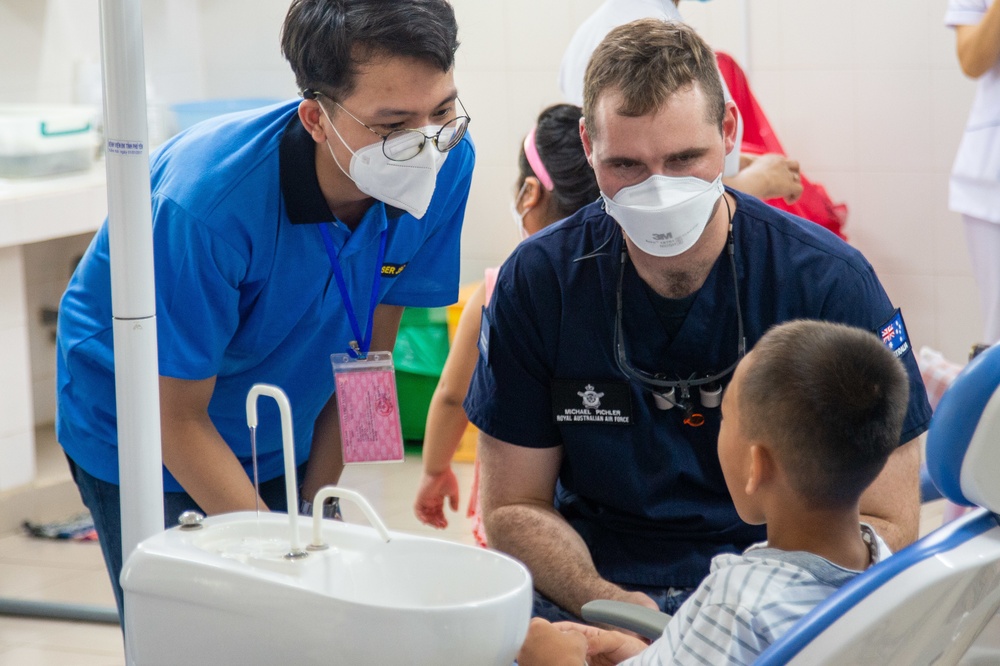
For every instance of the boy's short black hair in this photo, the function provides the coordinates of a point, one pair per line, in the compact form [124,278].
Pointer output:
[831,399]
[325,40]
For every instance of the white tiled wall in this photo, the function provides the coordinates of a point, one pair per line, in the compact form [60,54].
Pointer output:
[869,98]
[866,95]
[506,70]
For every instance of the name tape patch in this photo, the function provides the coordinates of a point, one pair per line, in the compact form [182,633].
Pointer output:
[392,270]
[583,401]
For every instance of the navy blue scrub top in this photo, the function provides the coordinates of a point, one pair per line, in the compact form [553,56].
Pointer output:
[645,491]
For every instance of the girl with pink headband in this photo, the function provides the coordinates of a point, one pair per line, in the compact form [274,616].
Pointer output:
[555,181]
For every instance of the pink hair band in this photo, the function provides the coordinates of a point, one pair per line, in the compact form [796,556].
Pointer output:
[535,162]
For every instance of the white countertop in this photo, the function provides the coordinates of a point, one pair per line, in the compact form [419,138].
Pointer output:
[38,209]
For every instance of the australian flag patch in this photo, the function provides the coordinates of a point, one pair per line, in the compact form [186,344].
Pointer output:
[893,334]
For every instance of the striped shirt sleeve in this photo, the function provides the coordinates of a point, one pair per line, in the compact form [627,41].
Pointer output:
[735,614]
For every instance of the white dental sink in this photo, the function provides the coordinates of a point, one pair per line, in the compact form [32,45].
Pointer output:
[242,588]
[225,593]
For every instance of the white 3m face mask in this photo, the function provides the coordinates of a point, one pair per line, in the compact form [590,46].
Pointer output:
[518,218]
[665,216]
[408,185]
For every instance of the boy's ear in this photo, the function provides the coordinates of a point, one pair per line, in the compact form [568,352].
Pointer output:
[761,468]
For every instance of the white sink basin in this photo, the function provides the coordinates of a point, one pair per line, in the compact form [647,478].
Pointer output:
[225,593]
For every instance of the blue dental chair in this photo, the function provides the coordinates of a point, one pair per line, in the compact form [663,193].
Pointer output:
[930,602]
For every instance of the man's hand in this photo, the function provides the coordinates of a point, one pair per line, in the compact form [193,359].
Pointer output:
[605,647]
[768,176]
[434,488]
[639,599]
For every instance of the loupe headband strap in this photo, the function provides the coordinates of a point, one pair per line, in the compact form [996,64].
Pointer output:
[657,384]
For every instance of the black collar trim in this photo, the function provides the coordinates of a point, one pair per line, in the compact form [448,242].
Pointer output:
[297,167]
[303,199]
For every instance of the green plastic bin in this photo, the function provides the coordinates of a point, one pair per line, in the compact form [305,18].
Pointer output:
[420,352]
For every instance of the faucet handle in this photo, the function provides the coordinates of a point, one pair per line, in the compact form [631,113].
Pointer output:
[344,494]
[331,508]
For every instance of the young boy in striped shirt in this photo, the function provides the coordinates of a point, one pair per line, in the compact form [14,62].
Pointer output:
[809,420]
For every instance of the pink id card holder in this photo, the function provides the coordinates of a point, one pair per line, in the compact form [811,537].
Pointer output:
[368,408]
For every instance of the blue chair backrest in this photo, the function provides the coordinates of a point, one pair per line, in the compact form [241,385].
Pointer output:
[963,445]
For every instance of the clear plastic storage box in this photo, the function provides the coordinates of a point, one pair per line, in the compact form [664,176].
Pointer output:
[42,140]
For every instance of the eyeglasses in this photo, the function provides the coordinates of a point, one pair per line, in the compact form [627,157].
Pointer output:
[665,390]
[404,144]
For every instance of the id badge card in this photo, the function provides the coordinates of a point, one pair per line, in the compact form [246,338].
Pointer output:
[368,408]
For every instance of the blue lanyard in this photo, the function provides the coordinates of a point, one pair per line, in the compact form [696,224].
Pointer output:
[360,345]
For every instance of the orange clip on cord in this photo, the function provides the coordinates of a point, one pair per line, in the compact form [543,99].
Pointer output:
[694,419]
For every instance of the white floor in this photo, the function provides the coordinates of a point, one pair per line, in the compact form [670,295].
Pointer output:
[72,572]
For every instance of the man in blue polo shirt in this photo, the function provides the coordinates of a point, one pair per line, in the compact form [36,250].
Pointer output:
[281,236]
[612,334]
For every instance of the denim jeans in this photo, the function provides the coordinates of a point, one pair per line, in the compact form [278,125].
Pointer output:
[103,500]
[669,599]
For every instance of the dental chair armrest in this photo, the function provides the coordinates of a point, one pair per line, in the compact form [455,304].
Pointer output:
[644,621]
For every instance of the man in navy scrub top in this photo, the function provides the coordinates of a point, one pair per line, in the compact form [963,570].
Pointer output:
[612,334]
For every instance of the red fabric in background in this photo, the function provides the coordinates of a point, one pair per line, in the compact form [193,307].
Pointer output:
[758,138]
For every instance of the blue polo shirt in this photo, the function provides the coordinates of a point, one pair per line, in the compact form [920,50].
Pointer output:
[644,490]
[245,291]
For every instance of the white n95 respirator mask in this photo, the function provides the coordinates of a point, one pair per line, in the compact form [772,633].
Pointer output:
[663,215]
[518,217]
[409,184]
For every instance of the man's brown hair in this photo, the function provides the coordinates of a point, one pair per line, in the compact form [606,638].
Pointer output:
[831,400]
[647,61]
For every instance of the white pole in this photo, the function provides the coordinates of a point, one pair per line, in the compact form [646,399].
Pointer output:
[130,230]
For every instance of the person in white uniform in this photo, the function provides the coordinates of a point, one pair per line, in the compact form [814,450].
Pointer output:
[765,177]
[975,176]
[610,14]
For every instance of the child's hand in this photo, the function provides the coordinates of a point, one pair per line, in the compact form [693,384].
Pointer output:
[547,645]
[434,490]
[605,647]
